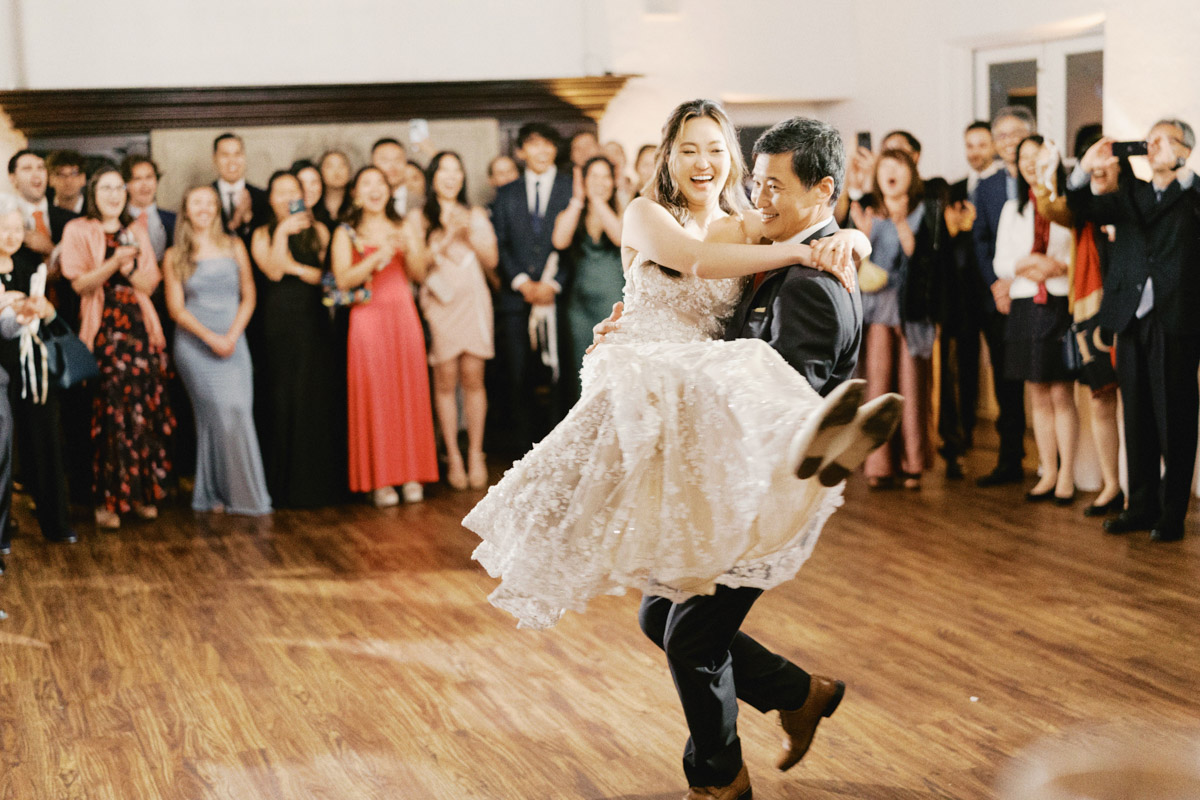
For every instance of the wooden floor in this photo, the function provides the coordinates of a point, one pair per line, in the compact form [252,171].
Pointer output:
[350,653]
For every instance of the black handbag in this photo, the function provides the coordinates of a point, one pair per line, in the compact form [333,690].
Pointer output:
[68,359]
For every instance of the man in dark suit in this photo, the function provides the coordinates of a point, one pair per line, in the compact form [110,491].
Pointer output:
[816,325]
[1010,125]
[964,300]
[243,207]
[44,222]
[1151,294]
[523,215]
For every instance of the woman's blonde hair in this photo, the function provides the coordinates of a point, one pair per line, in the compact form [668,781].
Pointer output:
[183,258]
[662,187]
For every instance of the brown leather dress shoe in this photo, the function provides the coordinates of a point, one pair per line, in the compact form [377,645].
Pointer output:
[824,695]
[738,790]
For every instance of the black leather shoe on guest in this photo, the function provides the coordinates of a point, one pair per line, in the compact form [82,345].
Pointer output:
[1128,522]
[799,726]
[1166,534]
[1039,497]
[1000,476]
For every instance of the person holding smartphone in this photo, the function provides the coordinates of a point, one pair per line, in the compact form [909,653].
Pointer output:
[110,263]
[301,443]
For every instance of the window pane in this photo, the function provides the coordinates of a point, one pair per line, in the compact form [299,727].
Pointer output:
[1085,93]
[1013,83]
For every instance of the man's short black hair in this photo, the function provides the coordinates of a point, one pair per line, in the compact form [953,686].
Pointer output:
[227,135]
[386,140]
[530,129]
[816,147]
[978,125]
[12,162]
[132,160]
[65,158]
[913,142]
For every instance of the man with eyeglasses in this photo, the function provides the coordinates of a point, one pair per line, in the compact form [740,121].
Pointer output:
[1150,300]
[67,179]
[1009,127]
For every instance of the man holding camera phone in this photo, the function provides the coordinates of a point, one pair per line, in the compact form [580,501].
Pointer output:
[1150,301]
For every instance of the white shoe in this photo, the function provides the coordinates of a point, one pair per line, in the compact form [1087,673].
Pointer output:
[811,446]
[874,424]
[413,492]
[385,497]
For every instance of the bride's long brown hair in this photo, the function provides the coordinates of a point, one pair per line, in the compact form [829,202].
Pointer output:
[662,187]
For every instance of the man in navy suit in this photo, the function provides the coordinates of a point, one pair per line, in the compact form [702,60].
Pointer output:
[523,215]
[1151,294]
[1010,125]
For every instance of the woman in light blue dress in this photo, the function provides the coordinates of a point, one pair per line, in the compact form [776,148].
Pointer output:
[210,294]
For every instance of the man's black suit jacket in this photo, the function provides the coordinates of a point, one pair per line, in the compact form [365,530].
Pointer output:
[521,249]
[260,212]
[1154,239]
[808,317]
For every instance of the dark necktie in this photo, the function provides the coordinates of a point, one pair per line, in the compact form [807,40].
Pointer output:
[537,207]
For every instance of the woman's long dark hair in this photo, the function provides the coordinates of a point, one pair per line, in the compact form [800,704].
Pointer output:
[305,245]
[91,210]
[1023,185]
[433,206]
[581,228]
[353,216]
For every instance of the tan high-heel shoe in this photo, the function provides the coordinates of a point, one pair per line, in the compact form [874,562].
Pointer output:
[107,520]
[477,471]
[456,473]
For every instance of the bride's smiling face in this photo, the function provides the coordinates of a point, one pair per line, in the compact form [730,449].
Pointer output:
[700,162]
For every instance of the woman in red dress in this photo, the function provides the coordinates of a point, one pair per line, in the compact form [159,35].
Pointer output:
[391,420]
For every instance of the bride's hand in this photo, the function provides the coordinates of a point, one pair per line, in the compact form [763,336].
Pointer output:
[835,255]
[606,326]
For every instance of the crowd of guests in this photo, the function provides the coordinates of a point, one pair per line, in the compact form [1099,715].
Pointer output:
[1081,276]
[286,346]
[289,345]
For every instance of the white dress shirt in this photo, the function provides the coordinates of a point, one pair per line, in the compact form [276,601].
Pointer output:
[400,200]
[229,194]
[544,184]
[27,209]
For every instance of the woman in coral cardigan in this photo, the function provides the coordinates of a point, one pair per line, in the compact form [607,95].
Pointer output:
[111,266]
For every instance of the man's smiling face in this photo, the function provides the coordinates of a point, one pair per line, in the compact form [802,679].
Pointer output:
[787,206]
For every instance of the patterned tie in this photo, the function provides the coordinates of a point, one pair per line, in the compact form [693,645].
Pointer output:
[39,223]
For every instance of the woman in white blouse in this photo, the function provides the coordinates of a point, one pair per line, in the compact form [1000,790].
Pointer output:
[1034,255]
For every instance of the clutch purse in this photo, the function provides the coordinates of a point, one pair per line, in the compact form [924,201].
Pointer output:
[871,276]
[334,297]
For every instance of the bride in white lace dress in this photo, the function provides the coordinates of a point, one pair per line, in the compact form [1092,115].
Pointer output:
[672,473]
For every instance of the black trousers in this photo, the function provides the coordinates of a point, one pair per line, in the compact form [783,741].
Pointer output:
[40,446]
[1157,375]
[534,401]
[958,393]
[714,665]
[1010,396]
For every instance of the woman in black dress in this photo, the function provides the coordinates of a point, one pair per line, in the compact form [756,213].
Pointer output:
[302,450]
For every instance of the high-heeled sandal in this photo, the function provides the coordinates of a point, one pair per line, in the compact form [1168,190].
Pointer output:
[477,471]
[107,520]
[456,474]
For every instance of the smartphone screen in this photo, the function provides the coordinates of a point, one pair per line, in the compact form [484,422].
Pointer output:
[418,130]
[864,139]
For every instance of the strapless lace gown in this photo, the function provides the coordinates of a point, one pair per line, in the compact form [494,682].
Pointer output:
[669,475]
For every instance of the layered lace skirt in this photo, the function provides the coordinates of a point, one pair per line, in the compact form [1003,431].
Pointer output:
[669,476]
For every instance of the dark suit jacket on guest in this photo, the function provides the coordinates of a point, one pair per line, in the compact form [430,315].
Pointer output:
[260,210]
[808,317]
[521,249]
[990,196]
[1159,240]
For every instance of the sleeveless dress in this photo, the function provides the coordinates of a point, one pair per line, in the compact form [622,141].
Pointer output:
[387,385]
[457,304]
[305,444]
[670,475]
[229,469]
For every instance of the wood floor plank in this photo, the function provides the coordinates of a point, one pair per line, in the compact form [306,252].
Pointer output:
[351,652]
